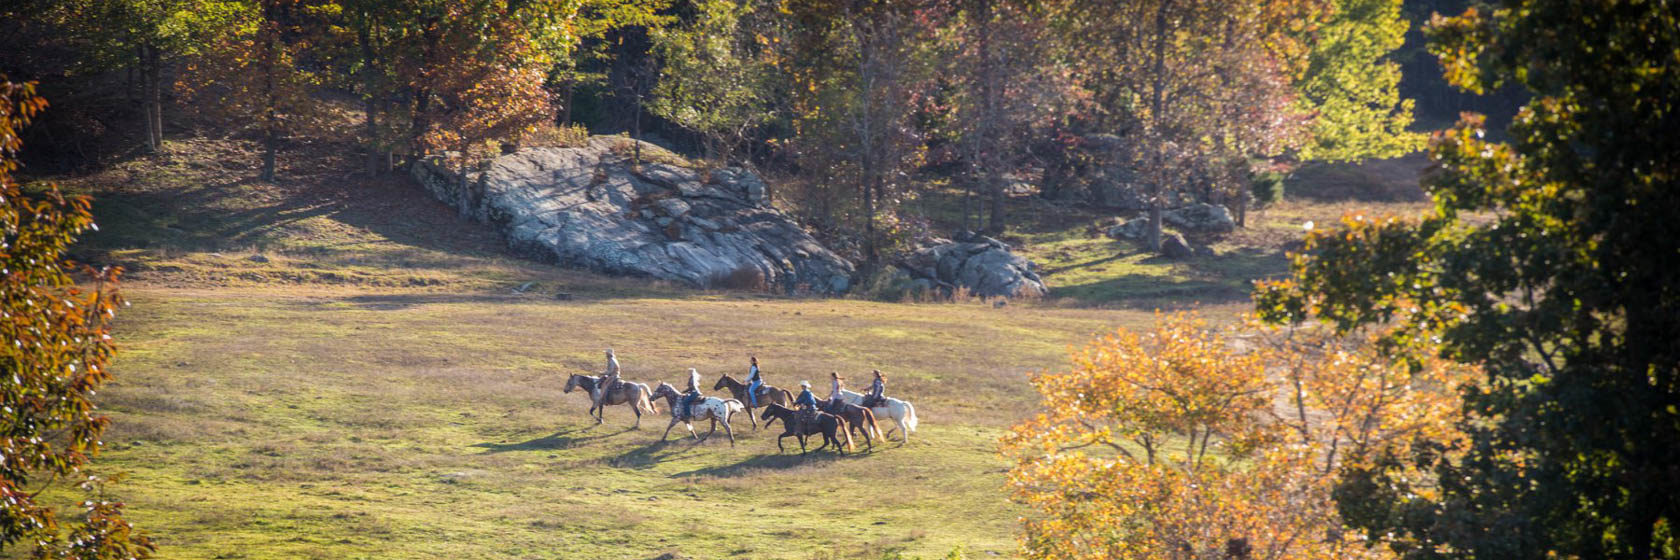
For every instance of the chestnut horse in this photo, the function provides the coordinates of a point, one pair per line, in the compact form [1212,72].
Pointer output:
[767,394]
[856,417]
[832,428]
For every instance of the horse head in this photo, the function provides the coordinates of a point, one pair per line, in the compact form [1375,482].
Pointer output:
[665,390]
[722,382]
[771,410]
[572,382]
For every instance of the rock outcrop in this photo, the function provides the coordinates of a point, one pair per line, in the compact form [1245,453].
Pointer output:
[588,207]
[1200,217]
[980,264]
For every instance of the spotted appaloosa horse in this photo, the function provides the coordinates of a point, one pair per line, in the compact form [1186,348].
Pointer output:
[627,392]
[709,408]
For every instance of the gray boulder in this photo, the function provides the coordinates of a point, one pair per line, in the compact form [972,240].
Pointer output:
[1201,218]
[1173,246]
[587,207]
[1133,230]
[982,265]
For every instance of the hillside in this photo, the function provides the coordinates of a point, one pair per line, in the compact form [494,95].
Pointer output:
[331,367]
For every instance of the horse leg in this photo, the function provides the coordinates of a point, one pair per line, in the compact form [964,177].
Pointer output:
[668,427]
[711,431]
[729,431]
[779,448]
[638,412]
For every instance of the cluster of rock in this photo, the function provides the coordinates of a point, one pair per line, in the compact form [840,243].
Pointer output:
[1199,219]
[589,207]
[981,265]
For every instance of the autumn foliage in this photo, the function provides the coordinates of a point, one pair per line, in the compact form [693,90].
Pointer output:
[1189,442]
[58,345]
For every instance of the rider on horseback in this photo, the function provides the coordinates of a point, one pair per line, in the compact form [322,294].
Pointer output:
[834,387]
[691,394]
[608,379]
[754,381]
[874,397]
[807,405]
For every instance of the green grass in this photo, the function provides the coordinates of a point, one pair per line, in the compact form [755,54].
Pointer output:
[374,387]
[346,423]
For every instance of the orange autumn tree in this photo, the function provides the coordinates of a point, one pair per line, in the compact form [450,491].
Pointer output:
[57,348]
[1178,443]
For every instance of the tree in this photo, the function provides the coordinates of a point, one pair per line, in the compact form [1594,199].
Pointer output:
[58,348]
[250,74]
[1009,86]
[1168,444]
[1196,87]
[1351,86]
[1547,262]
[710,82]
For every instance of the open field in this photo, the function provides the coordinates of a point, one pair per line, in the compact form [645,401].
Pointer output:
[331,367]
[352,423]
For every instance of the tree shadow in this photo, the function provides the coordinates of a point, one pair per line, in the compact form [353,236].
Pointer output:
[653,453]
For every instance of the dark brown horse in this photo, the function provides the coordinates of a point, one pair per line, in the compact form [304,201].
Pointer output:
[634,394]
[768,394]
[832,428]
[856,417]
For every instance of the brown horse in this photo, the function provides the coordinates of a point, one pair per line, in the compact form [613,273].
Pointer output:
[768,394]
[856,417]
[627,392]
[832,428]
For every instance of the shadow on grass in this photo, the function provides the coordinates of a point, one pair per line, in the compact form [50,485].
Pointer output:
[778,461]
[563,439]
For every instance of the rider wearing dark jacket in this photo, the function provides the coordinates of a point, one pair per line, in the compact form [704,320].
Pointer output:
[754,381]
[875,395]
[691,394]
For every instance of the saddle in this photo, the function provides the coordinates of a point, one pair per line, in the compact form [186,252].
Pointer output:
[870,401]
[615,385]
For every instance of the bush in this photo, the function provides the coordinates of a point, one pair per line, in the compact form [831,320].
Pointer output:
[1267,187]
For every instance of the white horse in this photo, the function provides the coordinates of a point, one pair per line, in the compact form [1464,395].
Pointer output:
[709,408]
[901,412]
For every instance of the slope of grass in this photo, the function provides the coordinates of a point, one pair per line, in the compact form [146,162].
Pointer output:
[349,423]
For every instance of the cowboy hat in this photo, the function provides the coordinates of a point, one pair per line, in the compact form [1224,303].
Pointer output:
[805,384]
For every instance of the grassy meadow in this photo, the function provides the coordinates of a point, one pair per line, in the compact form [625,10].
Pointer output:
[328,367]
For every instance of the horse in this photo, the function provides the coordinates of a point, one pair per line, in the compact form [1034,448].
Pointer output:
[715,409]
[768,394]
[899,411]
[856,417]
[635,394]
[832,428]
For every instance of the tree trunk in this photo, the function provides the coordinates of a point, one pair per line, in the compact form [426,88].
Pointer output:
[156,98]
[1155,221]
[271,94]
[996,184]
[370,105]
[145,98]
[869,190]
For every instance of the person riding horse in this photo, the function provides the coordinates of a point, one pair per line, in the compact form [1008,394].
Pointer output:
[754,381]
[875,395]
[691,395]
[807,405]
[835,381]
[608,379]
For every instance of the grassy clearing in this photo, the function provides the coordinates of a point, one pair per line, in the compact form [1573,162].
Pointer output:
[345,423]
[332,367]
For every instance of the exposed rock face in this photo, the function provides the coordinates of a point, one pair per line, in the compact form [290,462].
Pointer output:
[981,264]
[1201,218]
[586,207]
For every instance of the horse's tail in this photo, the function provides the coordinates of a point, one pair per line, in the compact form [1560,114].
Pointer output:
[733,406]
[786,396]
[847,433]
[644,400]
[909,416]
[869,416]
